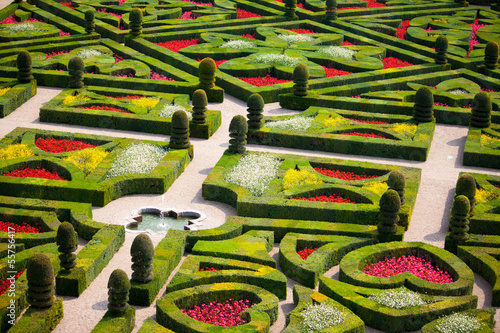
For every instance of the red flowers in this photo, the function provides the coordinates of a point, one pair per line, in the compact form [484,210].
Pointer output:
[52,145]
[373,122]
[24,228]
[209,269]
[242,14]
[331,198]
[156,76]
[306,252]
[371,4]
[497,186]
[5,284]
[366,135]
[344,175]
[329,72]
[302,31]
[176,45]
[67,4]
[102,107]
[401,32]
[221,314]
[34,173]
[261,81]
[391,62]
[249,36]
[415,265]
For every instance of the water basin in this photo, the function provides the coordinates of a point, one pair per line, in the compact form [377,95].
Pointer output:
[155,220]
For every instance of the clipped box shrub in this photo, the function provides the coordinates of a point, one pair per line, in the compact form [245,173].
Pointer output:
[13,94]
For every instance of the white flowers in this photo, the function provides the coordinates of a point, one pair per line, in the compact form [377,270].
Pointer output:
[168,111]
[254,172]
[237,44]
[88,53]
[338,52]
[22,27]
[458,92]
[277,59]
[399,298]
[138,158]
[295,124]
[458,323]
[319,316]
[293,39]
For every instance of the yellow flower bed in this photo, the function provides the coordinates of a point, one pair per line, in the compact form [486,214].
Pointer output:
[488,139]
[4,90]
[75,99]
[406,129]
[377,188]
[299,177]
[483,196]
[15,151]
[335,122]
[146,103]
[87,159]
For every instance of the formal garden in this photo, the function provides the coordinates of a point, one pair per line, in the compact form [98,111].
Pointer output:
[291,166]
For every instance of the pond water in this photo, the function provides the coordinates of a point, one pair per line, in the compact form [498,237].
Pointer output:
[156,222]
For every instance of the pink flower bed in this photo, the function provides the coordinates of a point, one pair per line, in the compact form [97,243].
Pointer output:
[347,43]
[176,45]
[306,252]
[187,16]
[208,4]
[49,55]
[302,31]
[262,81]
[209,269]
[415,265]
[226,313]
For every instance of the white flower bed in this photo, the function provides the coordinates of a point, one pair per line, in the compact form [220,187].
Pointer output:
[254,172]
[458,323]
[168,111]
[22,27]
[399,298]
[295,124]
[237,44]
[458,92]
[338,52]
[88,53]
[138,158]
[293,39]
[320,316]
[276,58]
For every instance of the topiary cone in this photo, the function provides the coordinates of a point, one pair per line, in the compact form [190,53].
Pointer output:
[255,108]
[142,252]
[40,276]
[67,242]
[331,10]
[206,72]
[290,6]
[135,21]
[481,110]
[89,21]
[76,69]
[179,138]
[118,291]
[491,55]
[466,185]
[441,50]
[300,80]
[397,182]
[238,132]
[200,102]
[25,73]
[459,220]
[390,205]
[423,109]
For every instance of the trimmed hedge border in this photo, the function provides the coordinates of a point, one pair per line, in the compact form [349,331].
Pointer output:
[40,320]
[477,155]
[116,323]
[485,317]
[17,95]
[151,326]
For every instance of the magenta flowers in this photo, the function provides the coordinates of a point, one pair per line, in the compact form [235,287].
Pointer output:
[225,313]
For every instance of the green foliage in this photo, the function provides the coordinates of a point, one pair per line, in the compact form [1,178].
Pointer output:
[238,129]
[290,6]
[67,242]
[142,252]
[76,68]
[40,275]
[331,10]
[459,220]
[89,21]
[206,72]
[200,103]
[441,49]
[255,106]
[390,205]
[481,110]
[135,21]
[300,80]
[396,181]
[25,73]
[118,289]
[466,185]
[491,55]
[180,131]
[424,105]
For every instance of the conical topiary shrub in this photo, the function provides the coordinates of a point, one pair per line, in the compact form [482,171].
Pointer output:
[491,55]
[206,72]
[459,220]
[238,132]
[441,50]
[40,276]
[118,290]
[135,21]
[67,242]
[300,80]
[331,10]
[89,21]
[200,103]
[423,109]
[390,205]
[255,106]
[397,182]
[481,110]
[290,6]
[179,138]
[466,185]
[76,69]
[25,73]
[142,252]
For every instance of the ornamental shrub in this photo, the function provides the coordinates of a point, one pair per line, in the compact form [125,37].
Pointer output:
[142,252]
[397,182]
[118,290]
[491,55]
[89,21]
[238,130]
[466,185]
[179,139]
[67,241]
[390,205]
[200,102]
[25,73]
[135,21]
[206,72]
[295,177]
[300,80]
[290,6]
[481,110]
[76,68]
[459,220]
[255,109]
[40,276]
[423,109]
[331,10]
[441,50]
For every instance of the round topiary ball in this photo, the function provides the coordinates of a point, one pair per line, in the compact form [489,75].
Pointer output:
[255,109]
[200,98]
[25,73]
[390,201]
[481,110]
[118,291]
[491,55]
[206,73]
[461,205]
[66,236]
[180,119]
[442,42]
[255,102]
[40,276]
[482,102]
[142,252]
[179,138]
[238,129]
[89,21]
[118,281]
[200,102]
[424,105]
[396,180]
[466,185]
[76,68]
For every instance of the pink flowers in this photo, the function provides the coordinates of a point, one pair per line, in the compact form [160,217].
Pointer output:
[262,81]
[156,76]
[306,252]
[328,198]
[176,45]
[49,55]
[208,4]
[34,173]
[187,16]
[221,314]
[302,31]
[344,175]
[391,62]
[415,265]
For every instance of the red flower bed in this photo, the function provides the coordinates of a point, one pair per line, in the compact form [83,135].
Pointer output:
[330,72]
[209,269]
[49,55]
[371,4]
[34,173]
[5,284]
[242,14]
[67,4]
[23,227]
[327,198]
[497,186]
[156,76]
[249,36]
[391,62]
[103,108]
[401,32]
[366,135]
[52,145]
[302,31]
[373,122]
[415,265]
[261,81]
[221,314]
[306,252]
[346,43]
[176,45]
[344,175]
[9,19]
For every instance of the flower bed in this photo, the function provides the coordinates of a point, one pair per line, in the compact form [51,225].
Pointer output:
[5,283]
[226,313]
[53,145]
[34,173]
[306,252]
[262,81]
[344,175]
[328,198]
[23,227]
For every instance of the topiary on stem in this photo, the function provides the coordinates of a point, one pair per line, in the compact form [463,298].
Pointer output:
[423,109]
[331,10]
[142,252]
[89,21]
[300,80]
[200,102]
[76,69]
[459,220]
[206,72]
[491,55]
[118,290]
[290,6]
[135,21]
[441,50]
[397,182]
[390,205]
[40,276]
[67,242]
[466,185]
[25,73]
[179,138]
[481,110]
[238,132]
[255,106]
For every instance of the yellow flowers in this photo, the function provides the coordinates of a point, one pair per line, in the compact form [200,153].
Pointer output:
[377,188]
[70,99]
[295,177]
[402,128]
[487,139]
[146,103]
[15,151]
[483,196]
[87,159]
[335,122]
[4,90]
